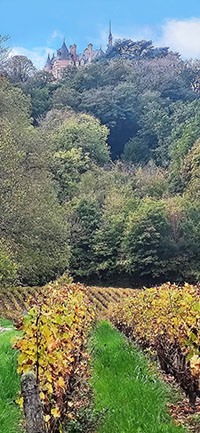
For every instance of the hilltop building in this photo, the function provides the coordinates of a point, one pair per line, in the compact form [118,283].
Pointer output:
[65,57]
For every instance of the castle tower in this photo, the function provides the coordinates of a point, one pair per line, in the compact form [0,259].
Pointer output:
[48,65]
[110,37]
[73,53]
[63,52]
[89,49]
[62,61]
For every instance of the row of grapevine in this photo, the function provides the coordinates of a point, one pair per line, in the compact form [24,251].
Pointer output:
[15,301]
[166,319]
[103,297]
[53,346]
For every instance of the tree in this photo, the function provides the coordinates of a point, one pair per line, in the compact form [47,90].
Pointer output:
[3,53]
[84,221]
[8,267]
[78,143]
[191,171]
[19,69]
[179,150]
[129,49]
[64,97]
[31,220]
[117,108]
[108,238]
[40,87]
[147,245]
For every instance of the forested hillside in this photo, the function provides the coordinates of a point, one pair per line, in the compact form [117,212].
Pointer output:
[100,171]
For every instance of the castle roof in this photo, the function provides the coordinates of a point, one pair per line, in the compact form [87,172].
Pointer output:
[98,54]
[48,62]
[63,52]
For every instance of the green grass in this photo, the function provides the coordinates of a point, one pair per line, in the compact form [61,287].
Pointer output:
[133,398]
[5,323]
[10,413]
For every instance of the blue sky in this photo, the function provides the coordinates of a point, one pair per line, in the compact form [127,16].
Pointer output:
[36,27]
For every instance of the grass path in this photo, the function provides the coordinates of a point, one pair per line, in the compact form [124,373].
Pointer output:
[9,383]
[134,399]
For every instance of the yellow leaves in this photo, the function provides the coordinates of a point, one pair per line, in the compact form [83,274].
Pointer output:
[168,314]
[42,395]
[21,358]
[54,331]
[49,388]
[61,383]
[195,362]
[52,344]
[20,402]
[55,412]
[45,331]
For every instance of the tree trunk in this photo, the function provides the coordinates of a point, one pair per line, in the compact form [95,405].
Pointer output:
[32,404]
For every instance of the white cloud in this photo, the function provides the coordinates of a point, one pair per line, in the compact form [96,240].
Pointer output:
[38,55]
[179,35]
[182,36]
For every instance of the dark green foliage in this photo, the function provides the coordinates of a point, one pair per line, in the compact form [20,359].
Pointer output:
[85,220]
[129,49]
[146,244]
[8,267]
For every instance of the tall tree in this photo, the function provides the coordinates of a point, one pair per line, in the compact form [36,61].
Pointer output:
[3,52]
[19,69]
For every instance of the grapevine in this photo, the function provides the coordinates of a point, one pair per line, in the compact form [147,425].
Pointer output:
[53,346]
[166,319]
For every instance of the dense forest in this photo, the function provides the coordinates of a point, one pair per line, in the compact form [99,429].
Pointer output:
[100,171]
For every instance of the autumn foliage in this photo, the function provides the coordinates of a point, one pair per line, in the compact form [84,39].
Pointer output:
[53,346]
[166,319]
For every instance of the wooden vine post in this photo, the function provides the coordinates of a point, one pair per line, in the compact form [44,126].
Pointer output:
[32,404]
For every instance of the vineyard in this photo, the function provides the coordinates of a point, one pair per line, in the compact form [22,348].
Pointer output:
[15,301]
[167,321]
[57,319]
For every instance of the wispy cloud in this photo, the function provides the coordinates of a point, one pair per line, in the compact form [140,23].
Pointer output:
[56,34]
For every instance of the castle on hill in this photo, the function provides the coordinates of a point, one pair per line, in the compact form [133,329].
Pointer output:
[56,65]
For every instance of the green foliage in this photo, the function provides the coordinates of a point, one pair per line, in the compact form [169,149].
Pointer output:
[8,267]
[3,52]
[84,132]
[146,245]
[61,192]
[80,142]
[179,150]
[85,220]
[129,49]
[31,219]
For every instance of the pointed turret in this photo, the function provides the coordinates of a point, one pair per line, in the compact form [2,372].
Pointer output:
[52,59]
[63,53]
[110,37]
[48,65]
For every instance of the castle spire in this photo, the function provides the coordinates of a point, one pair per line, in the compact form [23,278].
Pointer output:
[48,63]
[110,37]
